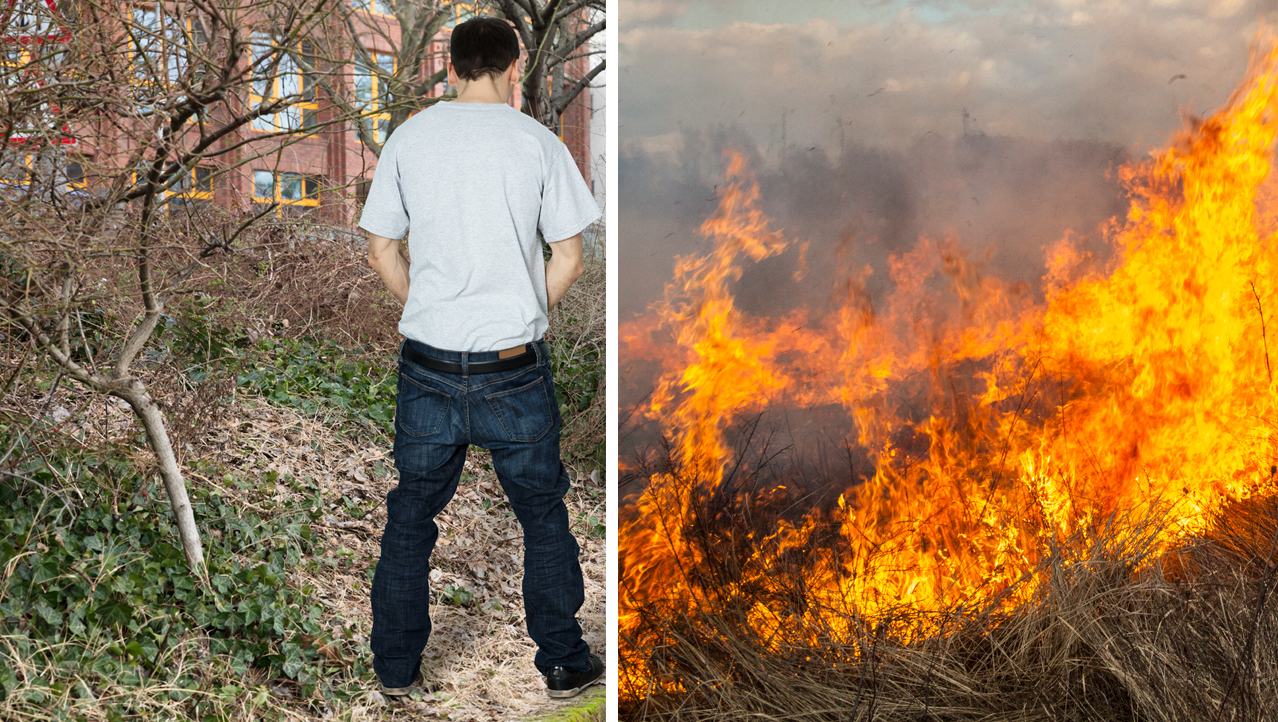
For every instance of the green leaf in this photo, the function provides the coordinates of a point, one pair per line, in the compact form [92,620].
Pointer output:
[48,614]
[8,680]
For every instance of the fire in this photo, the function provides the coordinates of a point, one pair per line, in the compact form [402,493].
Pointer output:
[1150,383]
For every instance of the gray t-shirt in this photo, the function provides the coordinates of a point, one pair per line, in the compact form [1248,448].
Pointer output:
[476,181]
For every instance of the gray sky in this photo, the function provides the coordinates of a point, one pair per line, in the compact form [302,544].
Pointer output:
[887,73]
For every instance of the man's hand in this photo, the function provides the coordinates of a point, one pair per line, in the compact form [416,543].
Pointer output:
[563,268]
[385,257]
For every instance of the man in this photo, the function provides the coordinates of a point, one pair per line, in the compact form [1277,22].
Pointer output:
[476,180]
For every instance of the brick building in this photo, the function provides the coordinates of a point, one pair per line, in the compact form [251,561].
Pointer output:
[325,171]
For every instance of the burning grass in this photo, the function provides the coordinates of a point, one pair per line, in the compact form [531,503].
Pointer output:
[1112,628]
[1048,488]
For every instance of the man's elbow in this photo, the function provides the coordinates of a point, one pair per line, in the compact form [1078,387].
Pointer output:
[378,258]
[577,269]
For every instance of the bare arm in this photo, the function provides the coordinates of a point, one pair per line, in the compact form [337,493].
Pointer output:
[385,257]
[563,268]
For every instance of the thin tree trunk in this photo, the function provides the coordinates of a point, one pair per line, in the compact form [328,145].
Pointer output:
[158,436]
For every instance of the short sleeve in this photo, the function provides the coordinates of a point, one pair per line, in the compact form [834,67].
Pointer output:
[567,206]
[384,213]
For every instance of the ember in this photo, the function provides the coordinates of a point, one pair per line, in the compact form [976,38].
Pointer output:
[1144,390]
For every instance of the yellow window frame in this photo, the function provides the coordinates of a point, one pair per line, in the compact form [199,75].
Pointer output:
[15,62]
[28,162]
[83,183]
[371,7]
[309,198]
[376,92]
[309,105]
[199,190]
[461,11]
[306,110]
[189,42]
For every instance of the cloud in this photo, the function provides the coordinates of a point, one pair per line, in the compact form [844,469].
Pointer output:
[636,13]
[1049,69]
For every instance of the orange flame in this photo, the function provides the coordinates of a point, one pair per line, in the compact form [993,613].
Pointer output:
[1149,384]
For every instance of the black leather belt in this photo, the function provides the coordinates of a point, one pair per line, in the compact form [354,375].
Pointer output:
[527,358]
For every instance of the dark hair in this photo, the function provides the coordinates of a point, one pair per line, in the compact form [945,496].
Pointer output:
[483,46]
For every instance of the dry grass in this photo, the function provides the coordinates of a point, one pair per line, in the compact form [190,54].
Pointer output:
[1115,629]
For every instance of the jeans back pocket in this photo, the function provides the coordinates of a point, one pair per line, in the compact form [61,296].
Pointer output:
[525,412]
[419,409]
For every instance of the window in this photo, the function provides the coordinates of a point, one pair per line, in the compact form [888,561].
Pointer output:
[278,76]
[27,67]
[164,50]
[194,187]
[18,69]
[309,106]
[380,7]
[17,64]
[372,93]
[17,170]
[287,189]
[461,11]
[263,185]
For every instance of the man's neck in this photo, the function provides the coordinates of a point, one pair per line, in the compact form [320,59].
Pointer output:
[483,90]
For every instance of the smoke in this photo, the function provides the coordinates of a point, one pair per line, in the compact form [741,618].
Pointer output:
[1001,200]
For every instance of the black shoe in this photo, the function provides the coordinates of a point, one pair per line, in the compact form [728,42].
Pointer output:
[563,682]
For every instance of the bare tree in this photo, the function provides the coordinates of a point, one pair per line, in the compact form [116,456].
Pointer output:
[555,33]
[390,87]
[166,97]
[383,89]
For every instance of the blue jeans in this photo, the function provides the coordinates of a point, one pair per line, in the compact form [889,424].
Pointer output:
[514,415]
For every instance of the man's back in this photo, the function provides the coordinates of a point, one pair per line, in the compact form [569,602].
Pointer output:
[476,181]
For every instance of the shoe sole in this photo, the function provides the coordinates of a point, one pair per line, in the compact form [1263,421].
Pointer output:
[566,693]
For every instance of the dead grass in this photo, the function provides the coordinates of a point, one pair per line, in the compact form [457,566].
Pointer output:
[1115,630]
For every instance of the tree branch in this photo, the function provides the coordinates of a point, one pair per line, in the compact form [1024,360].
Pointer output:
[561,103]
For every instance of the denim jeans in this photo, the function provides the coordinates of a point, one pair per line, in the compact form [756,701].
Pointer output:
[514,415]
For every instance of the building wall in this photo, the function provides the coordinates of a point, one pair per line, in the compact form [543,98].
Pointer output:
[334,155]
